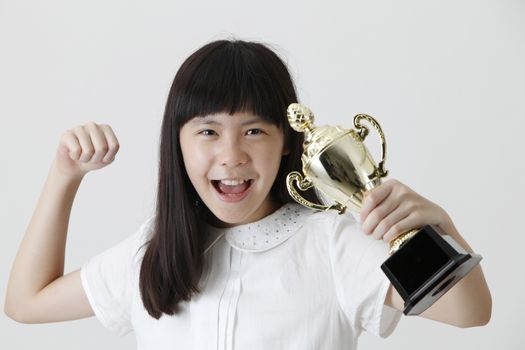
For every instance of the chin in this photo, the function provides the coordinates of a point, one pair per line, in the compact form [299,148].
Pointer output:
[226,216]
[227,221]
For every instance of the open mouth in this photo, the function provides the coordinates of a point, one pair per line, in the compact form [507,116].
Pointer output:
[232,191]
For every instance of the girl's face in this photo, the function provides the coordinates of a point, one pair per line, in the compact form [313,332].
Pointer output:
[232,161]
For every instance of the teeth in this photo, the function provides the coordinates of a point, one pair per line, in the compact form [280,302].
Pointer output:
[232,182]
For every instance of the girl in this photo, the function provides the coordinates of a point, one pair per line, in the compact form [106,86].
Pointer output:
[228,260]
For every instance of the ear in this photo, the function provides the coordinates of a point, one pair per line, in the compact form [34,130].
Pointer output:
[286,151]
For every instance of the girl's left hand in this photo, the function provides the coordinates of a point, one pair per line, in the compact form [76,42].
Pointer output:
[393,208]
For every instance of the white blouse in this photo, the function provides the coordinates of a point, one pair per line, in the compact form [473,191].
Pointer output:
[296,279]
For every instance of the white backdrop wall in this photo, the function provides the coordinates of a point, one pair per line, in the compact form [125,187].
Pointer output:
[446,79]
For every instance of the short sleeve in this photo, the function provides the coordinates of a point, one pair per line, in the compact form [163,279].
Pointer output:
[361,286]
[108,280]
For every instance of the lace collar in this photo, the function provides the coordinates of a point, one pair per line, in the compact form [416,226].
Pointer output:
[264,234]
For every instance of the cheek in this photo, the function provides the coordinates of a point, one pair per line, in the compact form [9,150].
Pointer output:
[270,159]
[194,160]
[196,164]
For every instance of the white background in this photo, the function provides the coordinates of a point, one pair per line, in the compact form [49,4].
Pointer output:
[446,80]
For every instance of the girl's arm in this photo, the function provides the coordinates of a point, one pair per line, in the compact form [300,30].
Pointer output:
[38,291]
[393,208]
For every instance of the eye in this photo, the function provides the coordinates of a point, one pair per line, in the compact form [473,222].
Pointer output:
[207,132]
[254,132]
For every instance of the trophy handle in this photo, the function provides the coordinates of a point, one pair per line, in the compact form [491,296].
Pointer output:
[362,131]
[303,185]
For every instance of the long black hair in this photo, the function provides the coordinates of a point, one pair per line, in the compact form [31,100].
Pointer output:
[222,76]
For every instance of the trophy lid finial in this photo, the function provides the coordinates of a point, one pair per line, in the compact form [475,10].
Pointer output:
[300,117]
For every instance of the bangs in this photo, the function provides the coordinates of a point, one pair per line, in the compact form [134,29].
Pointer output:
[230,77]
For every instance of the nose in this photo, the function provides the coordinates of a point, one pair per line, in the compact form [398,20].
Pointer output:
[232,153]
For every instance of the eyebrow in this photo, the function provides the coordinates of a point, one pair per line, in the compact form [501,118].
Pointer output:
[211,121]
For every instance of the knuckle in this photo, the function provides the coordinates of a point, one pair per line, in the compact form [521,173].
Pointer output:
[384,224]
[400,188]
[404,194]
[374,216]
[396,229]
[378,233]
[390,184]
[416,215]
[108,128]
[372,198]
[79,128]
[367,226]
[65,135]
[409,205]
[112,146]
[75,149]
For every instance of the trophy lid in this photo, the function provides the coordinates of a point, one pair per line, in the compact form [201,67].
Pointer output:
[317,138]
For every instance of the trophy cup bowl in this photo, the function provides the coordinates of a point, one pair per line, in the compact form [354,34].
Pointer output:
[424,263]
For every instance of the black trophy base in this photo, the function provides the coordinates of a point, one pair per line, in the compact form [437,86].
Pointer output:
[426,267]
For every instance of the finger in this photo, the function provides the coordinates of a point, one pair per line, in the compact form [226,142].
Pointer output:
[402,226]
[112,142]
[392,219]
[72,144]
[85,143]
[373,198]
[378,214]
[98,140]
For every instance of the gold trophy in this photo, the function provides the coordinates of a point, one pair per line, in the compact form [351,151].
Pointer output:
[424,263]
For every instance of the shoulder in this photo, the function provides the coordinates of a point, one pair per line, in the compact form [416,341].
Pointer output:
[330,222]
[342,235]
[144,233]
[327,230]
[146,228]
